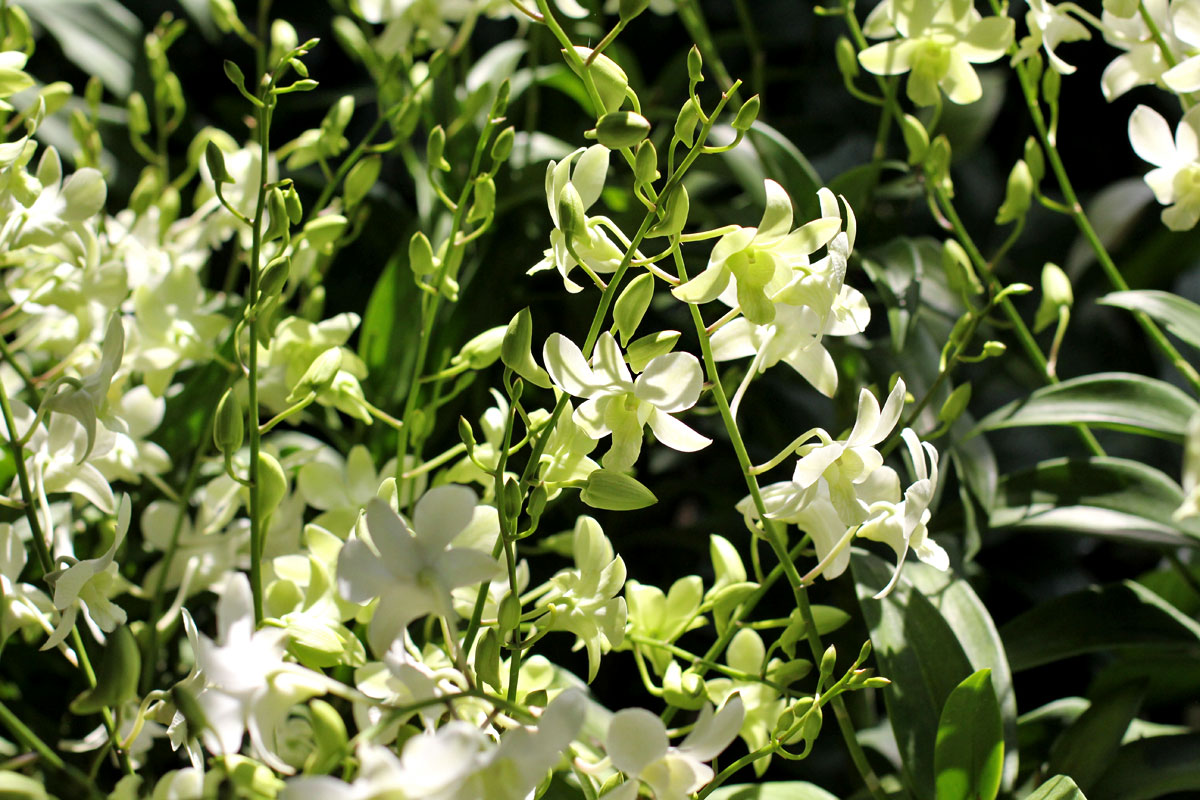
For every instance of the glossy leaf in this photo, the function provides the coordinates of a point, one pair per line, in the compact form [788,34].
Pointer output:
[1086,748]
[1152,767]
[969,754]
[921,655]
[1109,497]
[1101,618]
[1179,316]
[1060,787]
[1119,400]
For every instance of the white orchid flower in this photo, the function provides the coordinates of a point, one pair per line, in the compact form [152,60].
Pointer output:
[844,463]
[87,586]
[1049,26]
[582,172]
[760,261]
[638,746]
[412,568]
[87,400]
[1176,179]
[902,526]
[1143,62]
[617,404]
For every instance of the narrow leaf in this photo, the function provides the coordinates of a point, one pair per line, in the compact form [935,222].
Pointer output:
[1060,787]
[1178,315]
[969,754]
[1087,747]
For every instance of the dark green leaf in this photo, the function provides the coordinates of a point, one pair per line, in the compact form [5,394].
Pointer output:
[387,340]
[1119,400]
[969,755]
[1110,497]
[1086,748]
[921,655]
[1118,615]
[1179,316]
[1152,767]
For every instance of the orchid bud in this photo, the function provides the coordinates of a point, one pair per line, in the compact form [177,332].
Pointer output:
[465,433]
[361,179]
[572,217]
[1034,159]
[503,146]
[224,15]
[116,676]
[283,40]
[1056,294]
[847,58]
[318,376]
[631,306]
[482,350]
[515,350]
[510,612]
[916,139]
[139,116]
[324,231]
[645,165]
[228,426]
[627,10]
[695,65]
[992,349]
[420,255]
[618,129]
[483,200]
[685,123]
[610,80]
[500,102]
[675,216]
[1018,194]
[274,276]
[435,148]
[955,404]
[216,163]
[291,202]
[272,482]
[278,224]
[747,114]
[644,350]
[487,658]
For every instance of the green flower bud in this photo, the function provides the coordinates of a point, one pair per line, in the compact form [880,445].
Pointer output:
[847,58]
[685,123]
[224,15]
[695,65]
[139,115]
[274,276]
[481,351]
[361,179]
[193,713]
[318,376]
[618,129]
[283,40]
[55,96]
[500,103]
[420,255]
[644,350]
[93,92]
[465,433]
[615,491]
[675,215]
[234,73]
[483,200]
[329,736]
[1034,160]
[876,682]
[537,502]
[991,349]
[1056,294]
[683,689]
[435,149]
[828,662]
[299,86]
[510,612]
[627,10]
[512,490]
[916,139]
[747,114]
[631,306]
[537,699]
[960,274]
[487,658]
[610,81]
[515,350]
[1051,85]
[1018,194]
[272,483]
[278,224]
[728,568]
[116,676]
[324,231]
[955,404]
[572,218]
[146,191]
[229,425]
[645,165]
[406,119]
[216,163]
[502,147]
[937,161]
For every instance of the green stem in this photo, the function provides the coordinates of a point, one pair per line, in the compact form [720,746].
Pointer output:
[23,734]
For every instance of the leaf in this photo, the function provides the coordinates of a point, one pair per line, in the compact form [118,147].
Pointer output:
[615,491]
[1109,497]
[101,37]
[387,341]
[1152,767]
[1060,787]
[1180,316]
[969,755]
[1101,618]
[767,153]
[921,655]
[972,625]
[1119,400]
[776,790]
[1086,748]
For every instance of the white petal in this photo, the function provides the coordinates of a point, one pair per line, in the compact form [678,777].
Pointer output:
[609,364]
[888,58]
[441,514]
[675,434]
[670,382]
[360,575]
[393,539]
[235,610]
[713,733]
[777,216]
[568,368]
[636,738]
[589,174]
[816,366]
[464,567]
[1184,76]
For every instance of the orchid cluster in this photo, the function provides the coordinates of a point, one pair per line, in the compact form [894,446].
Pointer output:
[185,421]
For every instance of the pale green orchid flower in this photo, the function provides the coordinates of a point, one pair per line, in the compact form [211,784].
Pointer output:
[617,404]
[762,261]
[938,42]
[1176,179]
